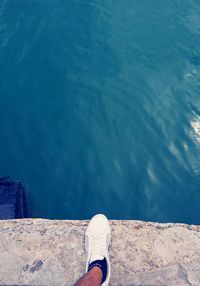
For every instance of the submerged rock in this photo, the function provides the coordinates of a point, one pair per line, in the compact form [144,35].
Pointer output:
[12,199]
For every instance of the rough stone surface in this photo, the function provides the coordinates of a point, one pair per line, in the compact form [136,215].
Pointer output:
[50,252]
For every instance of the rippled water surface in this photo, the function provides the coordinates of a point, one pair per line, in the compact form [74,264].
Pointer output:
[100,107]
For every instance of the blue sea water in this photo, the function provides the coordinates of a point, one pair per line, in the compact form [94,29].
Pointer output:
[100,107]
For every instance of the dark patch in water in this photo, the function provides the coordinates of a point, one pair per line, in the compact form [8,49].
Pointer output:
[195,60]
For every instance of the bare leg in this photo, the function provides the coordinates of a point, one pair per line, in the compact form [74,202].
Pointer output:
[92,278]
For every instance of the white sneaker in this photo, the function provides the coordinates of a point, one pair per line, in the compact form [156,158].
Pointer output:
[97,240]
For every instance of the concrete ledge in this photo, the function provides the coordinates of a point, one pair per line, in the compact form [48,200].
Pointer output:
[50,252]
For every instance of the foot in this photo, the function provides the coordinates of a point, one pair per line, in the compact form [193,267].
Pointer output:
[97,239]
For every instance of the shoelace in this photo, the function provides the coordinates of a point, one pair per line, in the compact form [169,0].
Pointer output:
[98,244]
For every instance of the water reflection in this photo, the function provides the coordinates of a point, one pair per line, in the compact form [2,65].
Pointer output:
[196,126]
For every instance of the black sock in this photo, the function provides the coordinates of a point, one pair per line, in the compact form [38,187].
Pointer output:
[102,264]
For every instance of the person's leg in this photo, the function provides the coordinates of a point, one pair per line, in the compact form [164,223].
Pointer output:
[97,239]
[92,278]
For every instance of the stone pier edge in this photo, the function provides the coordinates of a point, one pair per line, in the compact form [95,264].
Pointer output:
[51,252]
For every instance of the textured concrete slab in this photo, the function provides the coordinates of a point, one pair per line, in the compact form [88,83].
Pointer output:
[47,252]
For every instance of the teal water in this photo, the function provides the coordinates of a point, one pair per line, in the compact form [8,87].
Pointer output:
[100,107]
